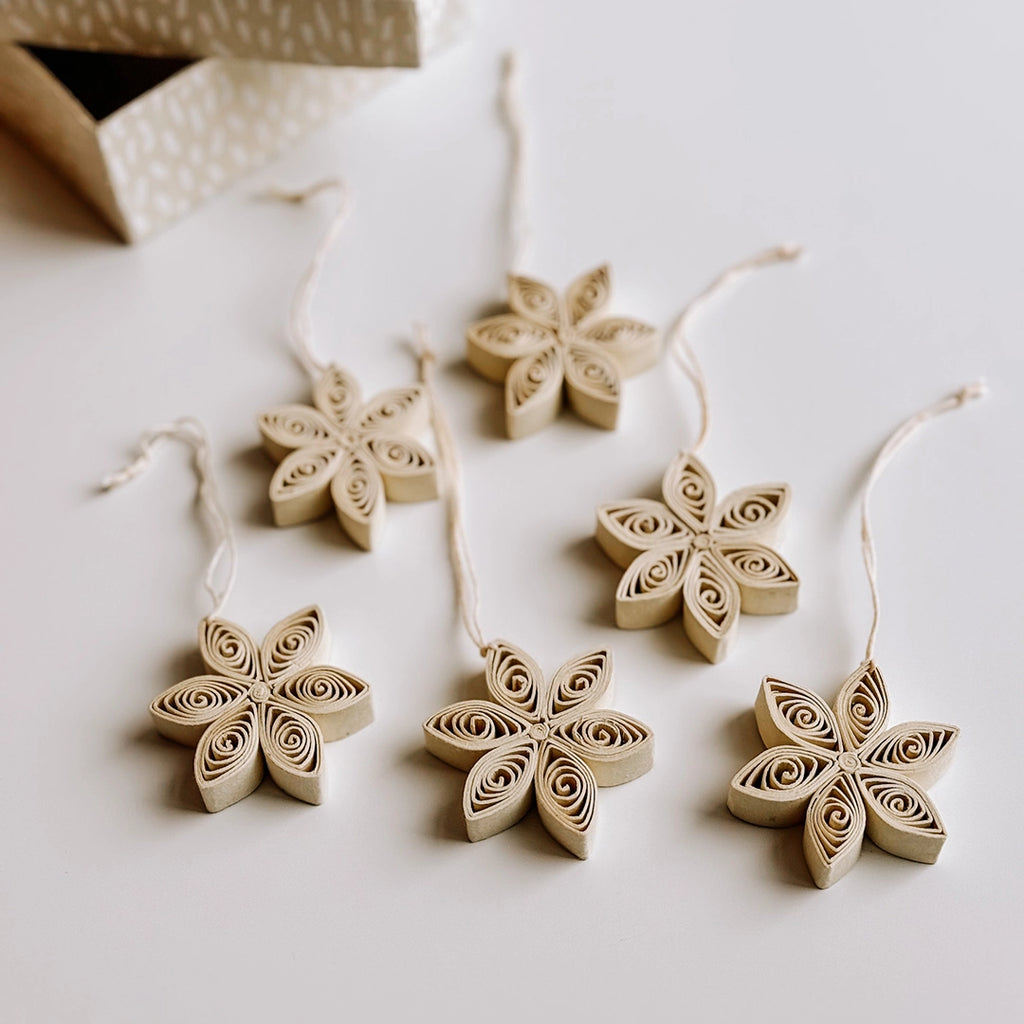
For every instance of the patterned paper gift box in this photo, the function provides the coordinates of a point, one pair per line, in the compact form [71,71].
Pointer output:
[145,139]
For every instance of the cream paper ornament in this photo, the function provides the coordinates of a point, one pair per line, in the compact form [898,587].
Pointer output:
[260,708]
[343,451]
[532,741]
[839,770]
[690,552]
[551,349]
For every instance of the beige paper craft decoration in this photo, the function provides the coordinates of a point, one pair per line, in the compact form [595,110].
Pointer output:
[549,349]
[344,452]
[263,708]
[844,774]
[838,770]
[531,741]
[260,708]
[685,552]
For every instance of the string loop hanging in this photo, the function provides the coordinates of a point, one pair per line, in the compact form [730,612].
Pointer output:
[467,591]
[511,104]
[190,432]
[899,437]
[300,317]
[679,344]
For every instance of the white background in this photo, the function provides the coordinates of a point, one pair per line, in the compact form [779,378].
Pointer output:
[671,140]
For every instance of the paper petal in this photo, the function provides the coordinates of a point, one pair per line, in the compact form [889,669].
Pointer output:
[615,747]
[499,789]
[337,701]
[790,714]
[689,491]
[184,711]
[593,383]
[461,733]
[294,426]
[515,681]
[293,746]
[228,763]
[337,395]
[408,470]
[533,392]
[581,683]
[358,494]
[775,788]
[566,798]
[296,641]
[301,486]
[228,650]
[533,300]
[494,344]
[588,295]
[834,830]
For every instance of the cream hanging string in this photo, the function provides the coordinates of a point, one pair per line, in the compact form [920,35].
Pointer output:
[519,233]
[300,318]
[899,438]
[190,432]
[532,739]
[679,343]
[467,591]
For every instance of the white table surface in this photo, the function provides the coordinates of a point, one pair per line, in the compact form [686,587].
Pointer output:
[670,140]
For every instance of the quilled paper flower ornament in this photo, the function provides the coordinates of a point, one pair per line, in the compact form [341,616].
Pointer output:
[551,349]
[269,708]
[348,454]
[838,770]
[259,708]
[531,742]
[844,774]
[687,552]
[342,452]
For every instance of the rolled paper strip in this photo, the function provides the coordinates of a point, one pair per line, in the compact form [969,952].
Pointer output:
[461,733]
[689,491]
[228,762]
[337,395]
[753,510]
[397,411]
[515,680]
[775,788]
[650,591]
[711,603]
[358,493]
[634,346]
[228,649]
[581,683]
[589,294]
[921,751]
[834,830]
[184,711]
[337,701]
[901,819]
[790,714]
[592,382]
[406,467]
[292,744]
[295,642]
[533,392]
[627,528]
[862,706]
[566,798]
[499,789]
[494,344]
[534,300]
[615,747]
[300,489]
[294,426]
[768,586]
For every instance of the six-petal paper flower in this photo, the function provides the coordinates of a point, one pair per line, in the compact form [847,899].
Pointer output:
[348,453]
[263,707]
[844,774]
[531,740]
[714,562]
[548,345]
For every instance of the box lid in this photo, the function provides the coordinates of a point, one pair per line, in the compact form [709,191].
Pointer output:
[357,33]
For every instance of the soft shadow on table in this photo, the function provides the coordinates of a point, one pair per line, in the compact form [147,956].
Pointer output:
[740,737]
[32,193]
